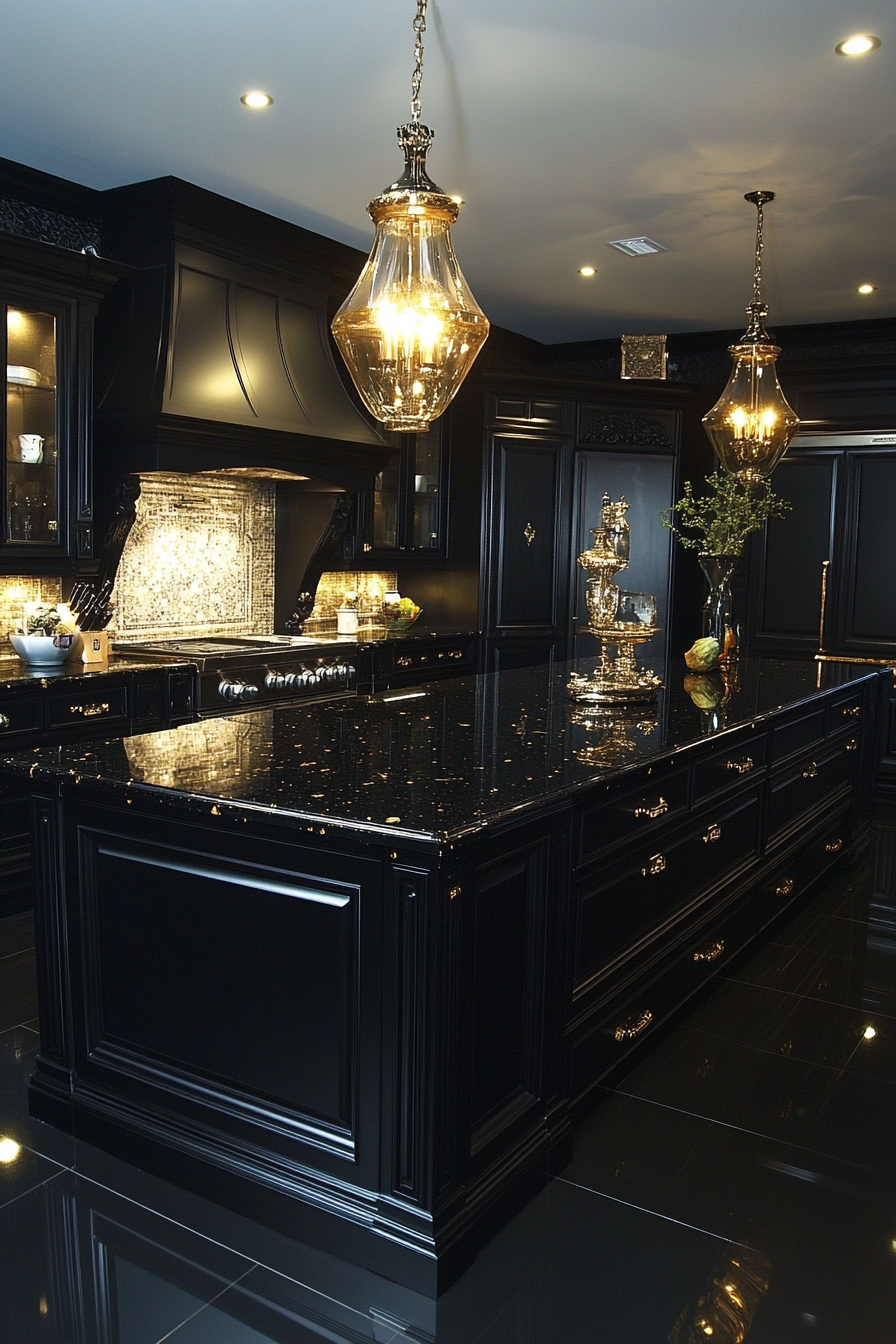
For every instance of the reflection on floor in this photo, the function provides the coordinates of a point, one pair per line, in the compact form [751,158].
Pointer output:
[739,1181]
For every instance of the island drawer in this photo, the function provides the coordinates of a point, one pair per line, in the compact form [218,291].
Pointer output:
[744,760]
[802,789]
[103,702]
[615,912]
[628,816]
[798,735]
[599,1042]
[20,720]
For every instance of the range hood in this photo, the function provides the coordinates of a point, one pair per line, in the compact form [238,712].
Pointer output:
[215,354]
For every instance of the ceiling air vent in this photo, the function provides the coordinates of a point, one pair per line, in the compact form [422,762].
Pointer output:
[636,247]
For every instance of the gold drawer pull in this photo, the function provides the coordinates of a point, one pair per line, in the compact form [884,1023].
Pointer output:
[714,833]
[4,722]
[786,887]
[659,807]
[655,864]
[833,847]
[712,952]
[811,772]
[742,767]
[89,711]
[633,1026]
[852,711]
[852,746]
[404,662]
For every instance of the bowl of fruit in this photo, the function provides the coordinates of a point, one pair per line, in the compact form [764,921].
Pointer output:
[48,636]
[401,614]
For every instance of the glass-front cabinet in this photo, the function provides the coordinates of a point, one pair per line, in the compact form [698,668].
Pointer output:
[32,427]
[48,297]
[407,507]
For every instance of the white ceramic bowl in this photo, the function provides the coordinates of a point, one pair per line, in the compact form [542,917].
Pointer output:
[43,650]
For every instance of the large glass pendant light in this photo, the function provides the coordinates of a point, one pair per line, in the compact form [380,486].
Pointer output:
[410,329]
[751,424]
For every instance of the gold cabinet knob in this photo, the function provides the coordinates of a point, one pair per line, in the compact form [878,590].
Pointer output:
[655,864]
[712,952]
[714,833]
[89,711]
[811,771]
[633,1026]
[659,807]
[786,887]
[740,767]
[833,847]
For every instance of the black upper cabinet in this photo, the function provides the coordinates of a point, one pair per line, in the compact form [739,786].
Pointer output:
[406,510]
[842,488]
[49,297]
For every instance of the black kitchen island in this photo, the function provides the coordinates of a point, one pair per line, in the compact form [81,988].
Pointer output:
[351,968]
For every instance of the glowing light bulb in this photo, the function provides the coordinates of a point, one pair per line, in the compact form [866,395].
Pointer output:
[587,271]
[857,45]
[869,1033]
[256,99]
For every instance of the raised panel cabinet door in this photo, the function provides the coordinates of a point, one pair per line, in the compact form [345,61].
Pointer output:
[528,534]
[865,618]
[788,556]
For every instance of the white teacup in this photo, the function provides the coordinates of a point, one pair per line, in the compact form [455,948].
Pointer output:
[31,447]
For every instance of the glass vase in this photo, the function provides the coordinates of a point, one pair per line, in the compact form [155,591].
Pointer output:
[718,609]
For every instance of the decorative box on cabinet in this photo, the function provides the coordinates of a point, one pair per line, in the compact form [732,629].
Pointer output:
[49,297]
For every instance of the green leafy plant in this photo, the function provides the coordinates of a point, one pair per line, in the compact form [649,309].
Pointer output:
[719,522]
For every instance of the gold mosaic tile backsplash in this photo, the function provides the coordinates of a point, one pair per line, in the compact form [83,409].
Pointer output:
[15,592]
[368,584]
[199,559]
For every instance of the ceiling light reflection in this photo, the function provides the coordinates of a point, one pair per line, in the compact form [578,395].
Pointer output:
[9,1150]
[869,1033]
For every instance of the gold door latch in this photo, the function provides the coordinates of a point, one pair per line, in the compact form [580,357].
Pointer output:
[89,711]
[633,1026]
[714,833]
[741,767]
[529,534]
[655,864]
[712,952]
[659,807]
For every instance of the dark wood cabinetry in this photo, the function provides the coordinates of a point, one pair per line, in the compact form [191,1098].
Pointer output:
[458,979]
[49,297]
[549,463]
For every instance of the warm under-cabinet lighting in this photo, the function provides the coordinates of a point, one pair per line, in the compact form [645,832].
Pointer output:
[410,329]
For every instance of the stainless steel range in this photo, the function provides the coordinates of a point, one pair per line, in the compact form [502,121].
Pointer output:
[248,672]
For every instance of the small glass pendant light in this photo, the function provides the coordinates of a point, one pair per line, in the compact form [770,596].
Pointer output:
[751,424]
[410,329]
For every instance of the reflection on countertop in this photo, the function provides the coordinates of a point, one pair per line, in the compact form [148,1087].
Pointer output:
[434,761]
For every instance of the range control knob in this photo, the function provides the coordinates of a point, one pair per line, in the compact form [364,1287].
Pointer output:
[234,689]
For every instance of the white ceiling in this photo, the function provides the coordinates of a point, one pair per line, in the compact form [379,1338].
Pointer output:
[564,123]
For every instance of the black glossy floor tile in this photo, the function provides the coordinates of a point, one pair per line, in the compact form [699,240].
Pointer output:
[18,989]
[841,1114]
[18,1051]
[16,935]
[797,1027]
[24,1172]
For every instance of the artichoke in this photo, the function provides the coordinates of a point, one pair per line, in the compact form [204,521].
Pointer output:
[707,692]
[703,654]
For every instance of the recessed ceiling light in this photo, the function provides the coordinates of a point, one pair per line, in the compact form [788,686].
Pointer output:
[866,289]
[9,1150]
[857,45]
[256,99]
[587,270]
[636,247]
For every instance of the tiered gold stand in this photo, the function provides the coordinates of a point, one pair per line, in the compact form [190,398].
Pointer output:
[619,620]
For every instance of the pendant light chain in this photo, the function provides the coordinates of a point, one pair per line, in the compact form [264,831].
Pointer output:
[419,30]
[757,271]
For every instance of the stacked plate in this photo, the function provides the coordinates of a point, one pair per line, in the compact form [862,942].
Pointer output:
[22,376]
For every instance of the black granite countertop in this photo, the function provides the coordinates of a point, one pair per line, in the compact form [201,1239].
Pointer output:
[433,761]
